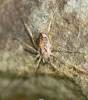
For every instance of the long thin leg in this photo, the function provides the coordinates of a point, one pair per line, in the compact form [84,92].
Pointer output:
[65,50]
[77,68]
[50,24]
[49,28]
[29,32]
[36,68]
[54,66]
[25,44]
[19,73]
[38,55]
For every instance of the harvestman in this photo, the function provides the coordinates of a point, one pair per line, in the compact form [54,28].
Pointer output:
[44,53]
[44,46]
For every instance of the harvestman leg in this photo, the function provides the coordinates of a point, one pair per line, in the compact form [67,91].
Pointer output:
[30,33]
[50,38]
[22,70]
[77,68]
[55,67]
[38,55]
[30,47]
[4,89]
[59,46]
[36,68]
[27,45]
[49,29]
[50,42]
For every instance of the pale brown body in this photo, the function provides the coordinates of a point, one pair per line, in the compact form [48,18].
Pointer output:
[44,46]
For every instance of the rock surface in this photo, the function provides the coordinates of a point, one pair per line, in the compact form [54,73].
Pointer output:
[68,32]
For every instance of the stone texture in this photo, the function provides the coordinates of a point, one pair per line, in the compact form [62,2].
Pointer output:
[68,30]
